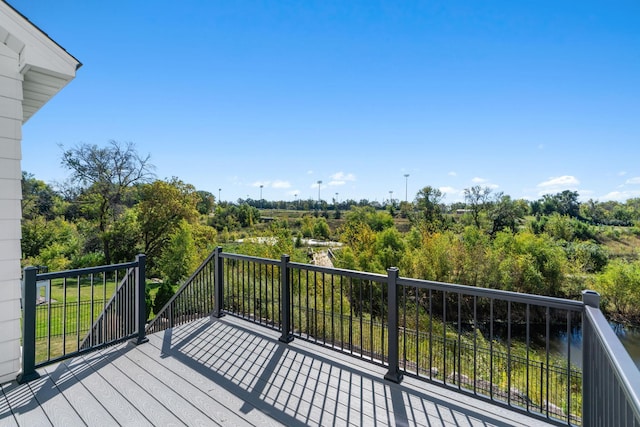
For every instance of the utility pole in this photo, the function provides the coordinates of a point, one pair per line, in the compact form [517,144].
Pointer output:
[406,185]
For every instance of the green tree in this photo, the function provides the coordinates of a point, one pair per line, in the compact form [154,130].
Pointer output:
[505,213]
[619,285]
[38,198]
[321,228]
[163,206]
[477,199]
[103,175]
[180,257]
[206,202]
[429,204]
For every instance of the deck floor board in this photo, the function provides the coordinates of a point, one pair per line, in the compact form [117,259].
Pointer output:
[230,372]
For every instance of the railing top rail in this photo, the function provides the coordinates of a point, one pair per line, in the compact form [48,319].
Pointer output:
[624,367]
[542,300]
[85,271]
[240,257]
[340,271]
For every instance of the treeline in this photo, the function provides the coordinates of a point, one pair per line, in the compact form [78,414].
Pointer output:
[112,208]
[551,246]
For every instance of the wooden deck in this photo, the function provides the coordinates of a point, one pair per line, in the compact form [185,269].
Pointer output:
[230,372]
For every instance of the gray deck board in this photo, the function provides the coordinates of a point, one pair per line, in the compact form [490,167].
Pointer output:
[90,410]
[230,372]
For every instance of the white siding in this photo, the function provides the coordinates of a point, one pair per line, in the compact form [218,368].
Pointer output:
[10,213]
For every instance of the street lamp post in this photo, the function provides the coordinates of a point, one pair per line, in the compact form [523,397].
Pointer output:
[406,185]
[261,185]
[319,184]
[391,197]
[219,190]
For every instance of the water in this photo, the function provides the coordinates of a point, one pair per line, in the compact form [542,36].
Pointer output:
[630,338]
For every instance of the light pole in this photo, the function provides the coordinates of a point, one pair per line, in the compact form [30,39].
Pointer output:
[391,197]
[319,184]
[406,184]
[219,190]
[261,185]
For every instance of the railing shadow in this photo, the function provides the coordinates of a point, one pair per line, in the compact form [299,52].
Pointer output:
[297,386]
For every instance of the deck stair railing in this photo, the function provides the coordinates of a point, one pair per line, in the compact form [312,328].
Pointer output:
[193,300]
[99,306]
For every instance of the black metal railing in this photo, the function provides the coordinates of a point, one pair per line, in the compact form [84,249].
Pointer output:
[368,316]
[495,345]
[193,300]
[87,309]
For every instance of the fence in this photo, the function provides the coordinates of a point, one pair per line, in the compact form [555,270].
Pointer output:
[76,318]
[492,344]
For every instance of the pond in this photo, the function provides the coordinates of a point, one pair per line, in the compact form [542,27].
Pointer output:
[630,338]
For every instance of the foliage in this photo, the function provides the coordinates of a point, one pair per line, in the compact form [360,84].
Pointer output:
[103,175]
[619,285]
[477,199]
[429,205]
[165,292]
[233,217]
[162,208]
[179,259]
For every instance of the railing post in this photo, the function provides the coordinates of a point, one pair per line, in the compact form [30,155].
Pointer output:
[218,290]
[393,374]
[590,299]
[285,300]
[28,326]
[141,280]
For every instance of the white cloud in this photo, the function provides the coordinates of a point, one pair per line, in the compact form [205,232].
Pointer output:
[565,180]
[558,184]
[477,180]
[341,178]
[621,196]
[452,194]
[281,184]
[453,173]
[634,180]
[622,173]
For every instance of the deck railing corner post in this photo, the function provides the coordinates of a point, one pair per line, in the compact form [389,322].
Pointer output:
[285,300]
[218,293]
[141,280]
[590,299]
[393,374]
[28,326]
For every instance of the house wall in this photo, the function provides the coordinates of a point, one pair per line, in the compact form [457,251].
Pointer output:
[10,212]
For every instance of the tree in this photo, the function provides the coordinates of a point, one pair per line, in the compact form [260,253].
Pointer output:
[206,203]
[477,199]
[179,258]
[162,207]
[505,213]
[428,201]
[103,175]
[38,198]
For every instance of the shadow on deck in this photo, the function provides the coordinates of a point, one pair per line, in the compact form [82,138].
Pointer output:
[226,371]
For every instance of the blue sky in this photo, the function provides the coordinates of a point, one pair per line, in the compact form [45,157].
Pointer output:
[527,97]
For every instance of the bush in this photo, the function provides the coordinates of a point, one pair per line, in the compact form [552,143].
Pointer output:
[165,292]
